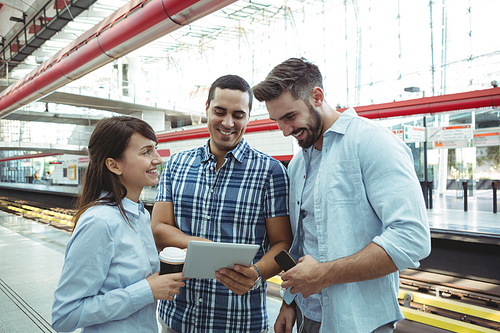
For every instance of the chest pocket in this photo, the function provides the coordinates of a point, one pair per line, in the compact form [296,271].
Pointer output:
[343,182]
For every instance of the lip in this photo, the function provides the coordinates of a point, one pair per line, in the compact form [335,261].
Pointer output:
[301,135]
[226,133]
[153,172]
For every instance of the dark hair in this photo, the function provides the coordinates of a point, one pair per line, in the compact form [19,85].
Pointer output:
[233,82]
[296,75]
[110,138]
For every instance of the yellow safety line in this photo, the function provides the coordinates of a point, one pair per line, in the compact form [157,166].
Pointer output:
[455,306]
[452,325]
[46,217]
[48,212]
[275,279]
[449,324]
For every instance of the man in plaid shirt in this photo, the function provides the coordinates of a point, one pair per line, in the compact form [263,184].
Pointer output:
[224,191]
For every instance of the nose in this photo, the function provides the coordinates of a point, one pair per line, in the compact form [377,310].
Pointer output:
[157,158]
[287,130]
[227,121]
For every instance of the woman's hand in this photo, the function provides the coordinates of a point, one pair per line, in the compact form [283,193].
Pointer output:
[165,286]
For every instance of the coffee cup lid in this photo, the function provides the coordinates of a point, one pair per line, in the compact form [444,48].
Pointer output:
[173,254]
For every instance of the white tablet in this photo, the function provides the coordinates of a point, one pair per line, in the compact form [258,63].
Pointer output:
[203,259]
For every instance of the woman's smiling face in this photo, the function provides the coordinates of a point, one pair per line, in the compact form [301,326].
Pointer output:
[138,165]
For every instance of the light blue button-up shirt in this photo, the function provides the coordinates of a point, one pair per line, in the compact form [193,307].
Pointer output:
[366,191]
[103,285]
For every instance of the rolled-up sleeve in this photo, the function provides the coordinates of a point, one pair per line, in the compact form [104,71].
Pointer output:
[394,192]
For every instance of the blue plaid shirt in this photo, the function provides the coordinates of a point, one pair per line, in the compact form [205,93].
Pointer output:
[228,205]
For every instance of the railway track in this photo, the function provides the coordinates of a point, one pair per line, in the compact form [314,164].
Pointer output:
[57,217]
[441,303]
[453,303]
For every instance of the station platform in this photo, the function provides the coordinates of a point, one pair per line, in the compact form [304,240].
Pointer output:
[33,254]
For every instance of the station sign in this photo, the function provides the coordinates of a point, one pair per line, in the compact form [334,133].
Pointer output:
[487,139]
[398,133]
[457,136]
[434,134]
[414,134]
[457,133]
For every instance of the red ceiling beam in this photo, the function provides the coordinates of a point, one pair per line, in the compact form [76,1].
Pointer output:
[427,105]
[431,105]
[27,157]
[132,26]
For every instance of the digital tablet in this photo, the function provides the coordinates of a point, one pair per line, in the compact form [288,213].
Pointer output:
[203,259]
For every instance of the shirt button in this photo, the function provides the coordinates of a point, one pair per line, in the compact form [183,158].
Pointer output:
[211,190]
[211,168]
[298,203]
[208,217]
[200,300]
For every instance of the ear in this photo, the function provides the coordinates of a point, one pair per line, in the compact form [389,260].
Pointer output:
[206,108]
[114,166]
[317,96]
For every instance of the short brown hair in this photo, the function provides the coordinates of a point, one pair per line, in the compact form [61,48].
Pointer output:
[296,75]
[233,82]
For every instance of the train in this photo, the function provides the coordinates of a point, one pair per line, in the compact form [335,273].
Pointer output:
[261,134]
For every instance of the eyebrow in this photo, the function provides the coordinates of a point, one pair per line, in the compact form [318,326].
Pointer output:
[224,109]
[286,115]
[148,146]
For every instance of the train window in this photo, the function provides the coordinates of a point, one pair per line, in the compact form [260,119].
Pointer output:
[65,172]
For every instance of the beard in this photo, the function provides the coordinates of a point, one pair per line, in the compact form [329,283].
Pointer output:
[314,128]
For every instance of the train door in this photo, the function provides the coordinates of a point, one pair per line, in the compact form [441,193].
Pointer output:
[81,174]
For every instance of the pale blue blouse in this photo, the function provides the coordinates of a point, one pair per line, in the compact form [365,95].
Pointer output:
[103,285]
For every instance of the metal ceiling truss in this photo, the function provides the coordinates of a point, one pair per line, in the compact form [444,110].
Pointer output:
[48,21]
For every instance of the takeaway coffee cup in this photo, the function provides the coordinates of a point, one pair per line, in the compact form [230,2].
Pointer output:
[171,260]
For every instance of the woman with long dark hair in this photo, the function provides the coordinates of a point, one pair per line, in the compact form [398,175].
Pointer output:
[110,280]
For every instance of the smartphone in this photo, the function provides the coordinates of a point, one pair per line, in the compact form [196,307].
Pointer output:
[285,260]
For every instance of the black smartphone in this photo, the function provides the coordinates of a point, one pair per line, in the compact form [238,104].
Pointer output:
[285,260]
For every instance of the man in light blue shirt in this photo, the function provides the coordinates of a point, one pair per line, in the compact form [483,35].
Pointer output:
[356,210]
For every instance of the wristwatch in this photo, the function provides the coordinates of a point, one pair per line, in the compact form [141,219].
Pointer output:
[257,282]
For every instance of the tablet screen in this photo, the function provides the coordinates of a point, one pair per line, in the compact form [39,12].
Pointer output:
[203,259]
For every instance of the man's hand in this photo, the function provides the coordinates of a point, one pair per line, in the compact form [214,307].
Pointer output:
[239,281]
[286,319]
[305,277]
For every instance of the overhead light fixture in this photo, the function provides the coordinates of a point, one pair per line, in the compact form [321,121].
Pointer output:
[412,89]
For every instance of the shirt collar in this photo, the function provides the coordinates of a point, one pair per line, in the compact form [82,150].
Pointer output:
[133,207]
[238,153]
[341,125]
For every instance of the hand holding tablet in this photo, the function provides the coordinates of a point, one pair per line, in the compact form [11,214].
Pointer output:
[203,259]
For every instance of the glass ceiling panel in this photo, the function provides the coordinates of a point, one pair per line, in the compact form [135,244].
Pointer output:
[368,51]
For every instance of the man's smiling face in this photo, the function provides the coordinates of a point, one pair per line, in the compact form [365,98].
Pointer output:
[228,115]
